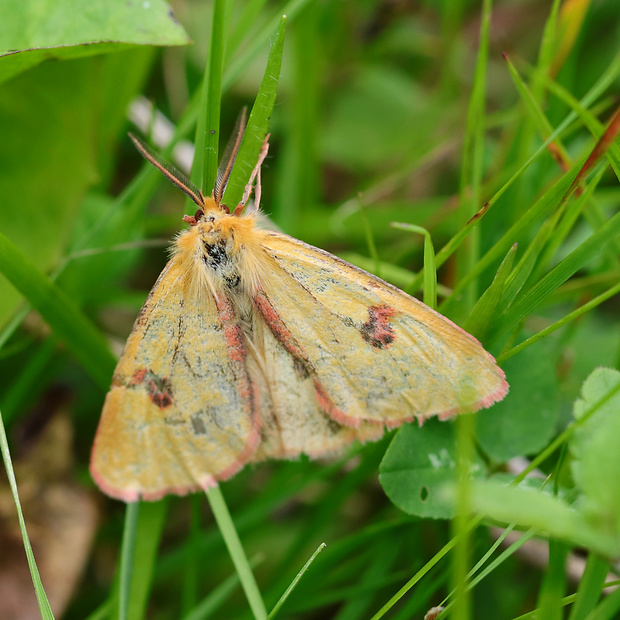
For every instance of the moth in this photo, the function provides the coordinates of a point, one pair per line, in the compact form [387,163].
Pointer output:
[253,345]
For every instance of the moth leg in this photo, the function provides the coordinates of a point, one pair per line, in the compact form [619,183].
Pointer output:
[255,175]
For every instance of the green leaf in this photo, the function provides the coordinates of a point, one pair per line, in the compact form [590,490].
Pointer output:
[594,445]
[541,511]
[526,419]
[56,142]
[418,463]
[32,32]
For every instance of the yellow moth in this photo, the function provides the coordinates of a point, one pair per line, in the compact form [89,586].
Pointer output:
[254,345]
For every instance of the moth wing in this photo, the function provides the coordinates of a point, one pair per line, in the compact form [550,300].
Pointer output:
[375,352]
[292,420]
[181,412]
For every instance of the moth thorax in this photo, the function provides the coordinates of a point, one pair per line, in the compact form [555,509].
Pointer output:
[220,259]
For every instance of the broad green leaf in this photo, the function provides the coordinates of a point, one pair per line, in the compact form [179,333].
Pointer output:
[32,32]
[526,419]
[595,447]
[544,512]
[59,124]
[43,175]
[418,463]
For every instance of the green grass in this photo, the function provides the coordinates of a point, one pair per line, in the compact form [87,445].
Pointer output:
[502,175]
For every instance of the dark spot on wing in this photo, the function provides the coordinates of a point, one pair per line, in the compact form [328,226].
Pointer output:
[158,388]
[198,425]
[377,330]
[333,427]
[301,368]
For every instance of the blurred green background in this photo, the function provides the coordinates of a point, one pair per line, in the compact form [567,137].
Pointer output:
[385,112]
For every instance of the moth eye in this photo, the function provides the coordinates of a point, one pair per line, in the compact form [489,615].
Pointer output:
[225,209]
[198,215]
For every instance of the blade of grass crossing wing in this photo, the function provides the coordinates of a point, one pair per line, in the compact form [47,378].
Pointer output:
[44,606]
[479,320]
[258,123]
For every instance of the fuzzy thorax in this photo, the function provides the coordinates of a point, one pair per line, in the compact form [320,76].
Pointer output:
[221,253]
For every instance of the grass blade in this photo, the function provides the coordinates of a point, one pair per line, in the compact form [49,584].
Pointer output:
[128,547]
[300,574]
[204,169]
[430,265]
[44,606]
[258,123]
[231,538]
[479,320]
[590,587]
[59,312]
[559,274]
